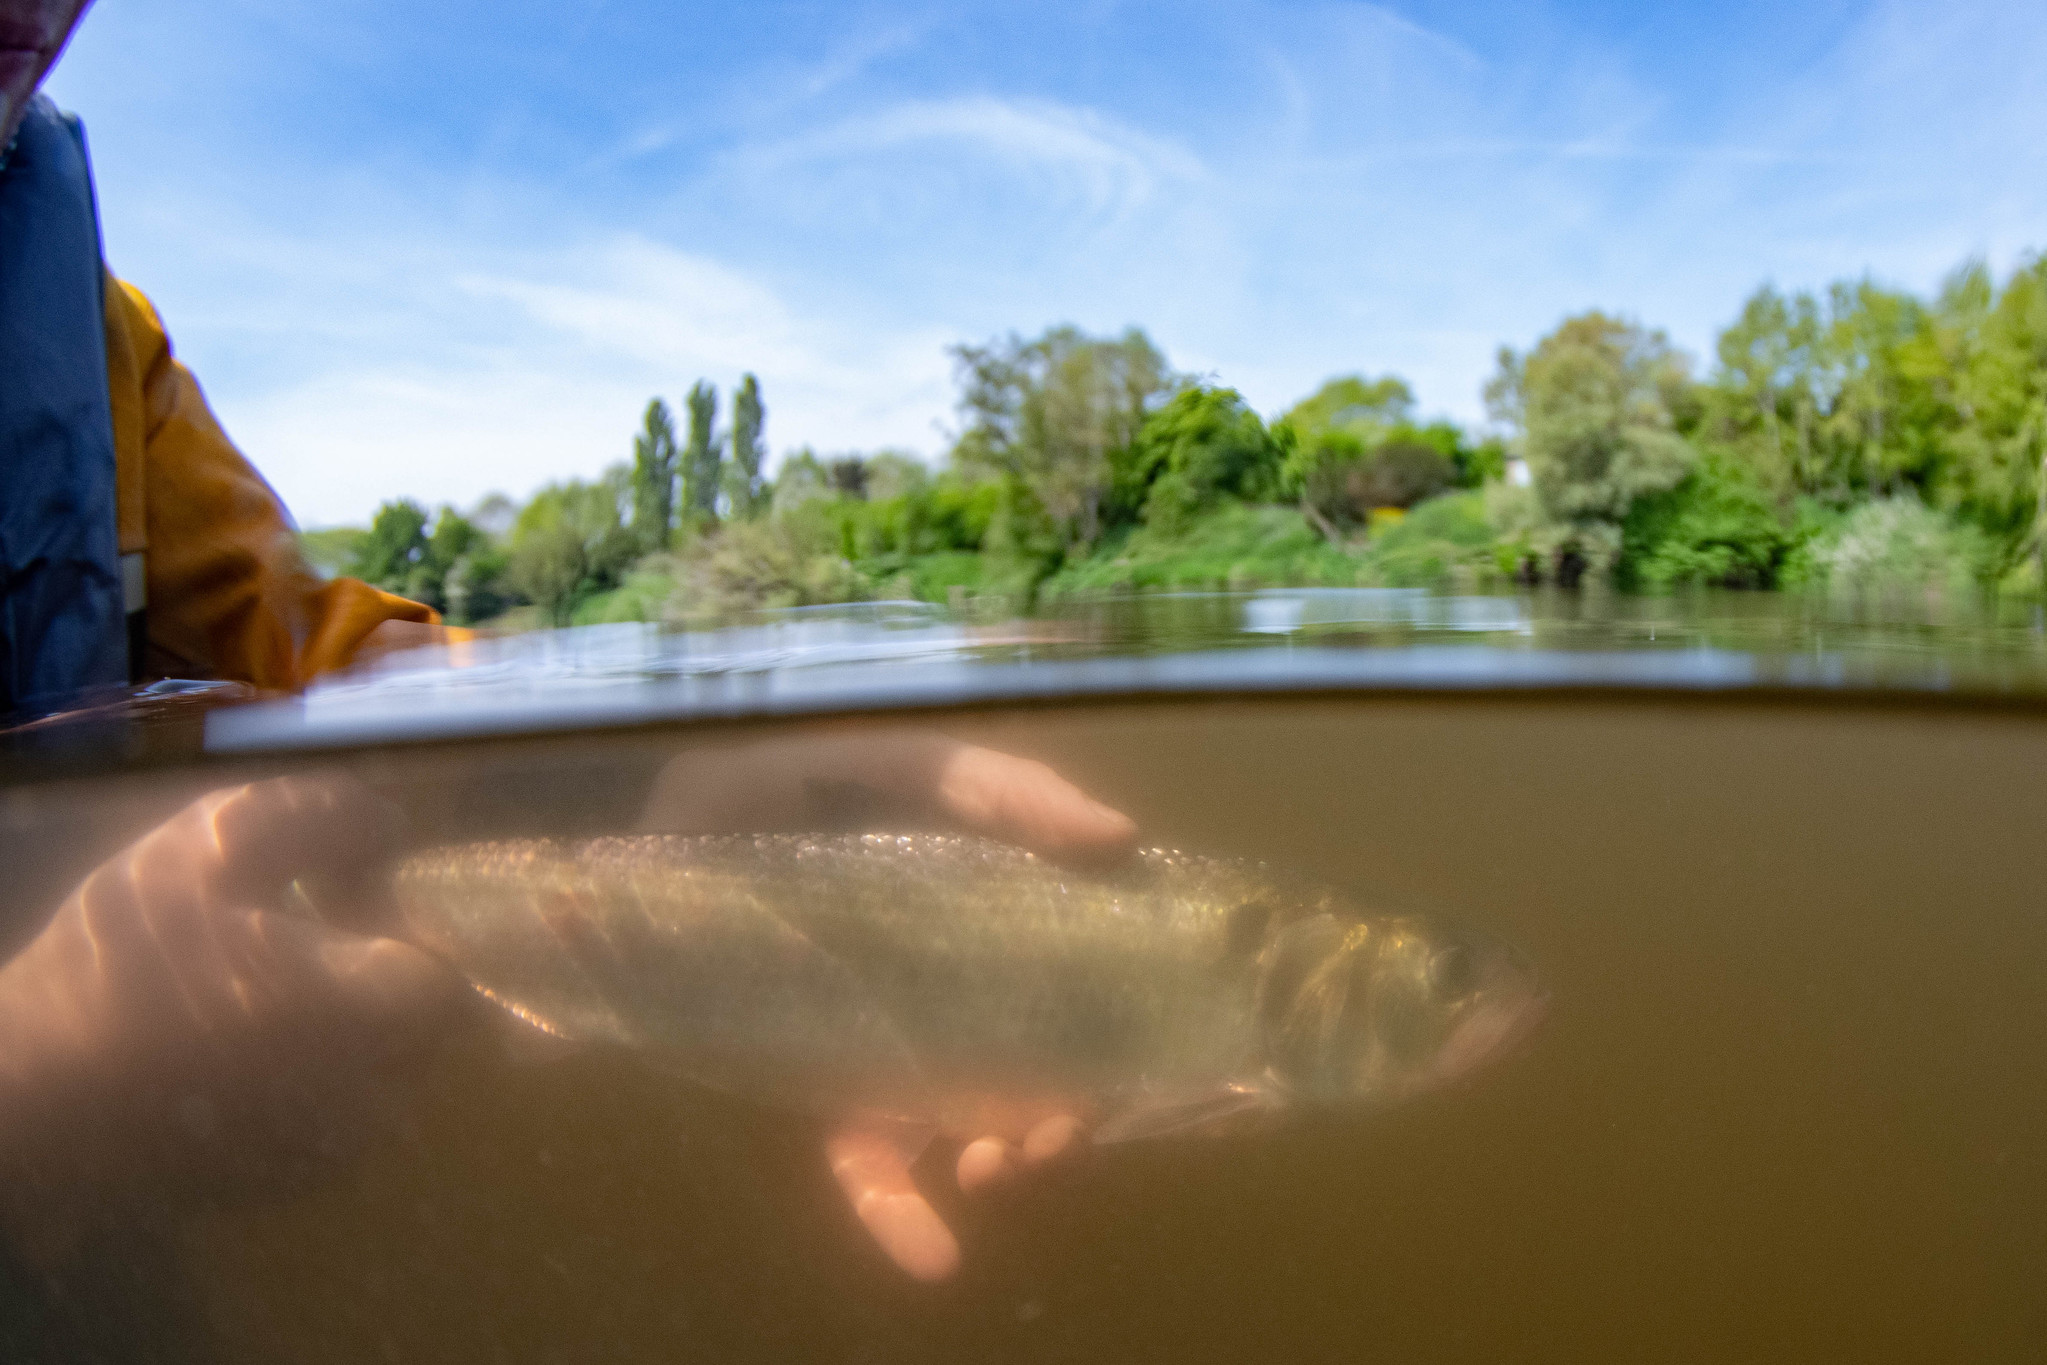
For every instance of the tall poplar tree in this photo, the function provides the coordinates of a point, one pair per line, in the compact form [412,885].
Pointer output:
[748,417]
[703,460]
[654,461]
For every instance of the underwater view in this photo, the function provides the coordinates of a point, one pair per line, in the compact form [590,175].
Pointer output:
[878,986]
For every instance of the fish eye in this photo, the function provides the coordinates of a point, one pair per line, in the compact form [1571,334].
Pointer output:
[1452,972]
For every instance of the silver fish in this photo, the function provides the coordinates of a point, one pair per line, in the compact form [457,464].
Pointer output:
[968,985]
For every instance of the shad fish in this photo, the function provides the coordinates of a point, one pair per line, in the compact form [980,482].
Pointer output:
[968,985]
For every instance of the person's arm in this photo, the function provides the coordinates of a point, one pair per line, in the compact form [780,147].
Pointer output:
[228,593]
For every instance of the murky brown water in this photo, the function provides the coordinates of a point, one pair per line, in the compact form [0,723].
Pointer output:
[1791,1101]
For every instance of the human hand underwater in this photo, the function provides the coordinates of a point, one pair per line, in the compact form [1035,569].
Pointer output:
[177,1027]
[894,778]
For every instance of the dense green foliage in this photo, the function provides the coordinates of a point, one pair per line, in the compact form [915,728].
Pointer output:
[1203,448]
[1715,528]
[1232,545]
[1856,439]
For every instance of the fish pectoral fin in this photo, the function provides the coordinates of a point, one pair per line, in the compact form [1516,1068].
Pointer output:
[1210,1112]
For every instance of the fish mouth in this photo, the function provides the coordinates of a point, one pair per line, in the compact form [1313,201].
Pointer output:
[1491,1031]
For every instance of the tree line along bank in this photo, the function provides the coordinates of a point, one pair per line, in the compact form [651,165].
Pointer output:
[1857,438]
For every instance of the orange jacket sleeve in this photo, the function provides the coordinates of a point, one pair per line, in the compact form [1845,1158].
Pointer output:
[228,594]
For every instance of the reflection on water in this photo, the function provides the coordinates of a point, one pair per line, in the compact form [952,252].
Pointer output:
[1941,643]
[1790,1101]
[1994,643]
[895,654]
[1293,610]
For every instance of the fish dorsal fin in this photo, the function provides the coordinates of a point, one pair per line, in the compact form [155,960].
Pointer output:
[1213,1111]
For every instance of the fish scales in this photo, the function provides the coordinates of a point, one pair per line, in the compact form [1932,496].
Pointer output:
[943,979]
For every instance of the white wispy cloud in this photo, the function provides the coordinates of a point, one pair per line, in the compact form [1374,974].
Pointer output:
[765,96]
[1116,168]
[1400,27]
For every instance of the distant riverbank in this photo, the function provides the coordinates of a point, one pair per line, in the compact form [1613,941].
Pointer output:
[1859,440]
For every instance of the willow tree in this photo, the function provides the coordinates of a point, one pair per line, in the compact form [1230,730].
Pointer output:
[1595,404]
[1048,415]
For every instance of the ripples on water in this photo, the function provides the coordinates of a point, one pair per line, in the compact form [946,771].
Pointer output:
[1769,624]
[912,653]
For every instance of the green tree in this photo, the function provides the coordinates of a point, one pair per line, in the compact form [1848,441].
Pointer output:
[396,541]
[801,479]
[703,459]
[571,542]
[1368,408]
[1316,466]
[1595,403]
[1339,480]
[1205,445]
[1835,396]
[654,475]
[1995,345]
[453,536]
[399,555]
[749,418]
[1773,390]
[1049,414]
[890,475]
[475,588]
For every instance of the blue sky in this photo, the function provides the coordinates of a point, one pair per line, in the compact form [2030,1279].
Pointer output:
[435,249]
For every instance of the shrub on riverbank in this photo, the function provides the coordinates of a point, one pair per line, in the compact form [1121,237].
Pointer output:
[1449,539]
[1900,545]
[1236,545]
[1717,528]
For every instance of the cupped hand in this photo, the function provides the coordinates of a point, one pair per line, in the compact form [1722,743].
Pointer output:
[870,779]
[178,1026]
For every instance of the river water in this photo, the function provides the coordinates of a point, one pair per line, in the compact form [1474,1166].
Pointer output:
[1790,1101]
